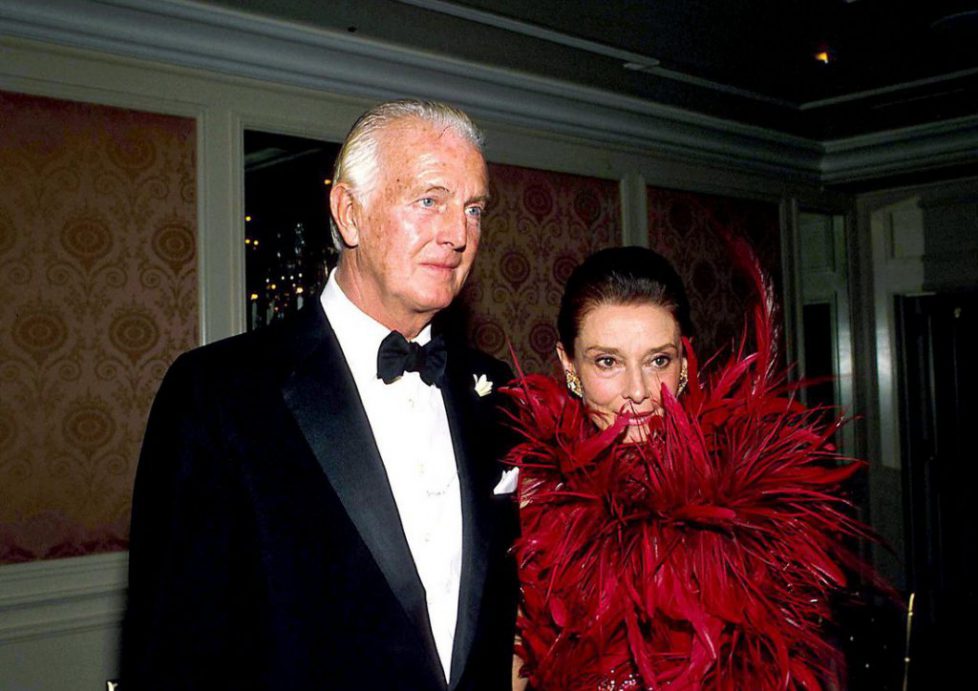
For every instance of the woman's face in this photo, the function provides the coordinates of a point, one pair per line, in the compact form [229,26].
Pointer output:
[623,355]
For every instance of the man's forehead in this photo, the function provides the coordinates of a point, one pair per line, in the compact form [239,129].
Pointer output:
[420,155]
[415,135]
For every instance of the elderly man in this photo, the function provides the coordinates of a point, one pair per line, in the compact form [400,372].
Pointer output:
[314,505]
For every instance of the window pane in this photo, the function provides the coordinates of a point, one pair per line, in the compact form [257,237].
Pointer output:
[287,239]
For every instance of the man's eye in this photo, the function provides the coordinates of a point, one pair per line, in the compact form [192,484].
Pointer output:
[475,211]
[427,202]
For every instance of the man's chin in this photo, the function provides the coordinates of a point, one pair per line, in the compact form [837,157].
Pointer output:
[438,297]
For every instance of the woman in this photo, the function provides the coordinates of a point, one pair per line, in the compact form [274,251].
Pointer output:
[622,318]
[692,543]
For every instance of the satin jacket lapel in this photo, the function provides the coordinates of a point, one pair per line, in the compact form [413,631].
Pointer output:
[325,402]
[461,408]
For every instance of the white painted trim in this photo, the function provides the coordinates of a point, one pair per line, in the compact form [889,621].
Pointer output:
[892,276]
[895,151]
[49,598]
[634,197]
[221,207]
[830,284]
[794,342]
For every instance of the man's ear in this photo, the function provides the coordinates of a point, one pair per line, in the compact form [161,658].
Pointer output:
[345,207]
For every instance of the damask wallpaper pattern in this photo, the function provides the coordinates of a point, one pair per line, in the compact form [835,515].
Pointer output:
[539,226]
[97,296]
[690,229]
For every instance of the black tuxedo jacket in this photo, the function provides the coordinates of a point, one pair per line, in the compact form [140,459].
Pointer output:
[266,549]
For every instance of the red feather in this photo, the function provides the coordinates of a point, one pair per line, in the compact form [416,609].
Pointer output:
[702,558]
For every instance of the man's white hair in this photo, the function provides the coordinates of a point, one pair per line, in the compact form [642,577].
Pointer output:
[358,163]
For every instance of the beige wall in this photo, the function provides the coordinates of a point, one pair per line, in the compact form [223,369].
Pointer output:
[98,294]
[539,226]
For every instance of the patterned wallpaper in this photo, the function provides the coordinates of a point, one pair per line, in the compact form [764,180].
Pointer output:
[539,226]
[97,297]
[689,228]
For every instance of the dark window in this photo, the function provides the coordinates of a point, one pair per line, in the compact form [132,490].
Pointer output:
[287,238]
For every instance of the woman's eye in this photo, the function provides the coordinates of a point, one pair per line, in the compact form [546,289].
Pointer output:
[605,362]
[661,361]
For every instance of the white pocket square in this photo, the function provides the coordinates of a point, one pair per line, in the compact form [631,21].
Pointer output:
[507,484]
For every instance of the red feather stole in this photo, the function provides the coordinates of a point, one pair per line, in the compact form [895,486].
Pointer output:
[702,558]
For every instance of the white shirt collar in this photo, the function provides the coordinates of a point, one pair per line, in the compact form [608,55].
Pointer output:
[359,334]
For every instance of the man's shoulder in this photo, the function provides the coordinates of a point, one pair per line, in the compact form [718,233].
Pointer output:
[225,352]
[273,348]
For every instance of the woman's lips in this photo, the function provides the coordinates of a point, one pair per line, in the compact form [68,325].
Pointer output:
[638,419]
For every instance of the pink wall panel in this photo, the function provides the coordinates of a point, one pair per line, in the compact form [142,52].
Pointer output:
[540,225]
[97,296]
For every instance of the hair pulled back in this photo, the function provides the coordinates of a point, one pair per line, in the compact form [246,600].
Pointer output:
[621,276]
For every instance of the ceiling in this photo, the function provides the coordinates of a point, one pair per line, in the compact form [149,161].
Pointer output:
[890,64]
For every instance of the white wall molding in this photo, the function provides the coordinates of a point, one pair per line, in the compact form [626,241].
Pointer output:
[634,210]
[47,598]
[60,621]
[897,237]
[898,151]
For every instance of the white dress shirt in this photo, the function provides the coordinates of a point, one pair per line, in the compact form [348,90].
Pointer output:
[411,430]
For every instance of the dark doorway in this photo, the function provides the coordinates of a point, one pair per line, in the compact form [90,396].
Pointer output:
[939,405]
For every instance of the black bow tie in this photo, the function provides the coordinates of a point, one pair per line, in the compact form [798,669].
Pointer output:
[397,355]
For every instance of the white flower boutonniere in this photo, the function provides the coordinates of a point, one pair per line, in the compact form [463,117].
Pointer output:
[483,386]
[507,483]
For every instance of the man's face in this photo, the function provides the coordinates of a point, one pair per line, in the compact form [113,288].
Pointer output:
[417,229]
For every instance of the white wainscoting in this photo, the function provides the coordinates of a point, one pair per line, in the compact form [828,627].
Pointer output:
[59,623]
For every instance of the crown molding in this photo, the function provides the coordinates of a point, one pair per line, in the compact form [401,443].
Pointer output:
[215,39]
[940,144]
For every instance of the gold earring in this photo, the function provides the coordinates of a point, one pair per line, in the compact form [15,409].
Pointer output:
[573,383]
[683,379]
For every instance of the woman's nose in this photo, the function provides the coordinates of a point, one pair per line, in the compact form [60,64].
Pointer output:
[639,386]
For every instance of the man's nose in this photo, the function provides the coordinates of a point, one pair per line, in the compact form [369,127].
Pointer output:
[453,229]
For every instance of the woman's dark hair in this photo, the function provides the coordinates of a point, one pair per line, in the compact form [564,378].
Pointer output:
[621,276]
